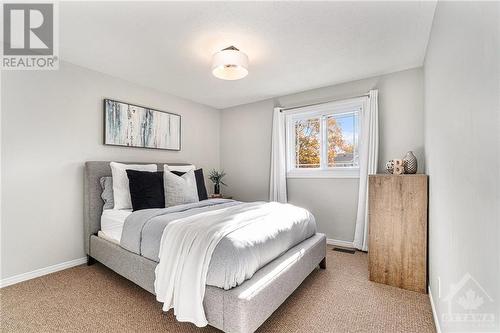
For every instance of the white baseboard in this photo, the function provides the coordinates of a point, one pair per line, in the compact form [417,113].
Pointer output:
[40,272]
[341,243]
[434,313]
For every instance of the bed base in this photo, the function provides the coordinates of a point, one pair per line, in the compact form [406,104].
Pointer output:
[239,310]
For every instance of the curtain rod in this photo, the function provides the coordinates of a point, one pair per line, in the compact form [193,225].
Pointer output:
[329,101]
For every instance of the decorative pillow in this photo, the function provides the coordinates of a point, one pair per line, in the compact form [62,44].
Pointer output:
[146,189]
[107,192]
[180,168]
[179,189]
[121,190]
[200,183]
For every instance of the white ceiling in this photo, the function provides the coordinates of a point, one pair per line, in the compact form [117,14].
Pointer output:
[292,46]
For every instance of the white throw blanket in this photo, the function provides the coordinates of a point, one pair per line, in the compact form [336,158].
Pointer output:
[187,246]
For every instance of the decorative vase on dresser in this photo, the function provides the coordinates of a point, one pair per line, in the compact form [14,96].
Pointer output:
[397,209]
[410,163]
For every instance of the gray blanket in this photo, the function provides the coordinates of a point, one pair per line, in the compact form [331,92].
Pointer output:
[142,233]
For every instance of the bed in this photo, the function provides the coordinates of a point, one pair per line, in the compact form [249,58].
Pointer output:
[240,309]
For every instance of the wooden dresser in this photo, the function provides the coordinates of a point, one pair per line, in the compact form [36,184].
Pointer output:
[397,244]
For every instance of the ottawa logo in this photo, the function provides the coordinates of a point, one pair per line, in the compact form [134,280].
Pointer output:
[469,307]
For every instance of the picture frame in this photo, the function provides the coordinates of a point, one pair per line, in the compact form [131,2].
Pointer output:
[136,126]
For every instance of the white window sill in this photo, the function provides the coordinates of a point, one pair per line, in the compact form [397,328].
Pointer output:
[311,173]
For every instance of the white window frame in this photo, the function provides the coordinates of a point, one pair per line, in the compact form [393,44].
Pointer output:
[321,111]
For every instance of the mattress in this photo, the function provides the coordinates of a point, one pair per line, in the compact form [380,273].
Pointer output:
[112,221]
[236,257]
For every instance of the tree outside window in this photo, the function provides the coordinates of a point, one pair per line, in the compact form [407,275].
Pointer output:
[341,136]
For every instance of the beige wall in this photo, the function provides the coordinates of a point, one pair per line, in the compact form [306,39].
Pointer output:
[246,150]
[51,124]
[246,146]
[462,144]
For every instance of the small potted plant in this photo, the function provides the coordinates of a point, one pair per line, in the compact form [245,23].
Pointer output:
[216,178]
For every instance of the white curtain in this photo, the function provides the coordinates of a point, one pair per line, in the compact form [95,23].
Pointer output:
[368,159]
[277,186]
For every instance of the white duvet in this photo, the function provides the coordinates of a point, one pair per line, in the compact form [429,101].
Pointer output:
[187,245]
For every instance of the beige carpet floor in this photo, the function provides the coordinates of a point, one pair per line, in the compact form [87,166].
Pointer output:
[95,299]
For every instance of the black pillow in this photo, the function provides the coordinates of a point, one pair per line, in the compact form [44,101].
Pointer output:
[146,189]
[200,183]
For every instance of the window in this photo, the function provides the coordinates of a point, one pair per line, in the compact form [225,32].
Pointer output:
[322,140]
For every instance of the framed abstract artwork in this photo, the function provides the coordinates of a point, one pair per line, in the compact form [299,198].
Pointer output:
[132,125]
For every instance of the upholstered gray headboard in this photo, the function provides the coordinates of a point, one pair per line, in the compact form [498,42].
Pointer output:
[93,203]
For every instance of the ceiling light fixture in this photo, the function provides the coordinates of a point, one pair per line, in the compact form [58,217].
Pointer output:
[230,64]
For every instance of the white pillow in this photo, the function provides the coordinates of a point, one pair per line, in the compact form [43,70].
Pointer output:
[179,168]
[179,189]
[121,190]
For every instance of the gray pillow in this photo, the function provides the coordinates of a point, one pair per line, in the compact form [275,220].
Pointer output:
[107,192]
[179,189]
